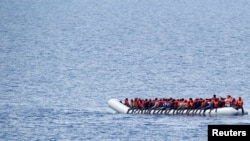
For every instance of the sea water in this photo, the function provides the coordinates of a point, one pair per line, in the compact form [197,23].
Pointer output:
[62,60]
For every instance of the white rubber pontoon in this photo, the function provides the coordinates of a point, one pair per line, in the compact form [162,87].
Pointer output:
[119,107]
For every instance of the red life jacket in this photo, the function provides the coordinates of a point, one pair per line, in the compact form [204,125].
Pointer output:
[216,103]
[127,103]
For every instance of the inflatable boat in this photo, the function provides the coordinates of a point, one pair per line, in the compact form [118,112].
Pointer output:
[119,107]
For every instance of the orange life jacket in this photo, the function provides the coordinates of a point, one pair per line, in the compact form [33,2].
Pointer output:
[204,102]
[186,104]
[228,101]
[239,103]
[179,103]
[133,104]
[191,103]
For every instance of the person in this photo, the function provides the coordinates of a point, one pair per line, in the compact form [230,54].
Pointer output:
[214,96]
[228,101]
[209,106]
[146,104]
[234,103]
[239,104]
[202,104]
[221,102]
[189,105]
[133,104]
[140,104]
[169,104]
[216,104]
[126,102]
[155,103]
[181,105]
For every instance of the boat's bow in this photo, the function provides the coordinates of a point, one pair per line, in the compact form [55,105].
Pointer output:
[116,105]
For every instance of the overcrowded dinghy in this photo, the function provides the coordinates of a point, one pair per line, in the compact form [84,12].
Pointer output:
[120,107]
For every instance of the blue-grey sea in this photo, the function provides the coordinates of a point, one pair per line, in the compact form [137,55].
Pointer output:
[62,60]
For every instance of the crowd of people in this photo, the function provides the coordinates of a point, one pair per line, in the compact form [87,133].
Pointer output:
[178,104]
